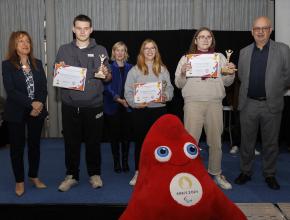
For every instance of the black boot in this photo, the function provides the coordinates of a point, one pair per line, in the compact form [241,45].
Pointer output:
[116,156]
[125,154]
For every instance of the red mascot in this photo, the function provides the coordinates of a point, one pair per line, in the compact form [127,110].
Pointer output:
[173,183]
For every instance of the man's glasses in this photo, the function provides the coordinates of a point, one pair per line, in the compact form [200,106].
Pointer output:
[261,29]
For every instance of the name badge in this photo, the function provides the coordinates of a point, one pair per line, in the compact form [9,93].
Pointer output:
[91,55]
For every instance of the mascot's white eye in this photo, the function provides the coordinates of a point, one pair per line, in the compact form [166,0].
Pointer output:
[190,150]
[162,153]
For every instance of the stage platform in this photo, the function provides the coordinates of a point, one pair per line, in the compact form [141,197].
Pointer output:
[255,198]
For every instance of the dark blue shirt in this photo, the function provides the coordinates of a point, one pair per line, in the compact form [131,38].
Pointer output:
[258,71]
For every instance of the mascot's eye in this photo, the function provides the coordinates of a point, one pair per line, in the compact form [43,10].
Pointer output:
[190,150]
[162,153]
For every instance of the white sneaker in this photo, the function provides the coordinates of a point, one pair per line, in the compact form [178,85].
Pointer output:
[234,150]
[222,182]
[96,181]
[67,183]
[134,179]
[257,153]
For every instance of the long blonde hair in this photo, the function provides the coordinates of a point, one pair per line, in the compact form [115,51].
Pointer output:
[157,63]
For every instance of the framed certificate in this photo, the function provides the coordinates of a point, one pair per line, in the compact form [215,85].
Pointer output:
[203,65]
[148,92]
[69,77]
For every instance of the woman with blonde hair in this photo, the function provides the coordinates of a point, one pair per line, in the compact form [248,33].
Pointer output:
[149,68]
[25,84]
[117,111]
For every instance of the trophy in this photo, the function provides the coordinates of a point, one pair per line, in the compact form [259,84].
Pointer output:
[100,73]
[226,70]
[229,53]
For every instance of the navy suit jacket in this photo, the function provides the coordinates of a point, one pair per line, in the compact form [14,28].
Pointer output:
[18,104]
[277,75]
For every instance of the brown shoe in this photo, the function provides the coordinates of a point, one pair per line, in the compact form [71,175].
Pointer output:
[19,189]
[38,183]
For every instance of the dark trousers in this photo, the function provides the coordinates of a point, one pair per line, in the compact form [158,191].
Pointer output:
[17,144]
[119,125]
[4,134]
[120,129]
[285,123]
[82,125]
[236,130]
[143,119]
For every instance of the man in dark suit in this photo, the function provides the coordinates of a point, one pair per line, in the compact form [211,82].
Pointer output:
[264,72]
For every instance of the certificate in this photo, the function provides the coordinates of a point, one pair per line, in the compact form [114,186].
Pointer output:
[203,65]
[148,92]
[69,77]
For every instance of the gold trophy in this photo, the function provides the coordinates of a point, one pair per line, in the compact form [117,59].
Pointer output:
[100,73]
[226,70]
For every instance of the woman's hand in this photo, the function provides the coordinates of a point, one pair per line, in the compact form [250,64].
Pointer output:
[185,67]
[34,113]
[123,102]
[229,69]
[164,98]
[142,105]
[37,106]
[231,66]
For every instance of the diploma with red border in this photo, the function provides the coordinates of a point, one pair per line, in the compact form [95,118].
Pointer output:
[203,65]
[148,92]
[69,77]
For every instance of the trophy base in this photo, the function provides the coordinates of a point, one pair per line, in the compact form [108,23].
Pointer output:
[100,75]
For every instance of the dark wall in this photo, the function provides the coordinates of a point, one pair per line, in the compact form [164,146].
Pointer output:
[172,45]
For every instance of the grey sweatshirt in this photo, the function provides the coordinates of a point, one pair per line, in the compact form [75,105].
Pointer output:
[136,76]
[88,58]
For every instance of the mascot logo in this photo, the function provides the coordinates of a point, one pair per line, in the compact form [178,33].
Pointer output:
[185,189]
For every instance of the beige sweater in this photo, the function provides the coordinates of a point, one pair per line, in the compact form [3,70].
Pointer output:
[197,89]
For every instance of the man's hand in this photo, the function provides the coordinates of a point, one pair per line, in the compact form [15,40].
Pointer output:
[106,72]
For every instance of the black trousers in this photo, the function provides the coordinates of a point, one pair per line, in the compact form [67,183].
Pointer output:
[17,145]
[119,125]
[143,120]
[4,134]
[82,125]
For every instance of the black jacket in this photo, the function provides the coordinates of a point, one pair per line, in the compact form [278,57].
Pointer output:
[18,104]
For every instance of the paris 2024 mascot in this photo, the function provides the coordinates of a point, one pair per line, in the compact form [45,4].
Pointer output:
[173,183]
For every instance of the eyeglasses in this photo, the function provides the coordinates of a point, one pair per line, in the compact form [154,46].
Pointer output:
[261,29]
[202,37]
[149,48]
